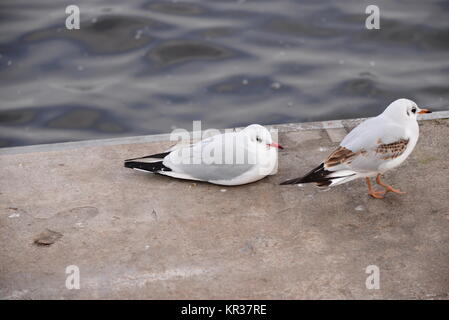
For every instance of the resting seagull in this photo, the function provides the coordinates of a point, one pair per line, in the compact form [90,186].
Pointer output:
[372,148]
[232,158]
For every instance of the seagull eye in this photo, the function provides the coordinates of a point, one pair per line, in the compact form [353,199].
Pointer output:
[414,110]
[258,139]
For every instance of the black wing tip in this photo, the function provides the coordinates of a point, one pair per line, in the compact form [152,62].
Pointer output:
[152,156]
[130,164]
[292,181]
[147,166]
[317,175]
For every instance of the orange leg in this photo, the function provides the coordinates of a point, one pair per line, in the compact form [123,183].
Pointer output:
[387,187]
[373,193]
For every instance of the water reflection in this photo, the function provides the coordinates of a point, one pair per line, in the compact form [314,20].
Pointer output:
[103,35]
[177,8]
[16,117]
[243,86]
[297,28]
[144,67]
[363,87]
[75,119]
[181,51]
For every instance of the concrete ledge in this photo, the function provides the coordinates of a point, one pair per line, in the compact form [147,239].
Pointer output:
[136,235]
[333,124]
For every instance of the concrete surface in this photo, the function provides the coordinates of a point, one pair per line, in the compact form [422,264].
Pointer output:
[136,235]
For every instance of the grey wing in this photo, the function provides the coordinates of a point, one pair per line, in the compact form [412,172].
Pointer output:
[191,161]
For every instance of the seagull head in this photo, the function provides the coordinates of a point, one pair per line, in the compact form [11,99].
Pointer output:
[404,110]
[259,134]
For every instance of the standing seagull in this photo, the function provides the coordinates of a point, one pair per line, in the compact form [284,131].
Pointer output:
[372,148]
[232,158]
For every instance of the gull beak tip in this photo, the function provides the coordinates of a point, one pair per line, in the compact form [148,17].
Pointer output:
[273,144]
[423,111]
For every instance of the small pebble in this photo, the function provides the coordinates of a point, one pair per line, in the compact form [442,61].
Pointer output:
[47,237]
[360,208]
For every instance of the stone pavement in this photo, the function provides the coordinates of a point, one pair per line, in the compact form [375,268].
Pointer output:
[141,236]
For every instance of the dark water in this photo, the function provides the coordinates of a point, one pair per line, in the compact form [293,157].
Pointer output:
[142,67]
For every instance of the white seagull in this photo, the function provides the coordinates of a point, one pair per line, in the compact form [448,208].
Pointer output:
[372,148]
[232,158]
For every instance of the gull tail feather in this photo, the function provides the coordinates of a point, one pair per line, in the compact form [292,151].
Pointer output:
[323,177]
[155,167]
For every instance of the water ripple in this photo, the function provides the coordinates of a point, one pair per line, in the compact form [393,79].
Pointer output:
[145,66]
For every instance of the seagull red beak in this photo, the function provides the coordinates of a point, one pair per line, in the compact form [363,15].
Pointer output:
[275,145]
[422,111]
